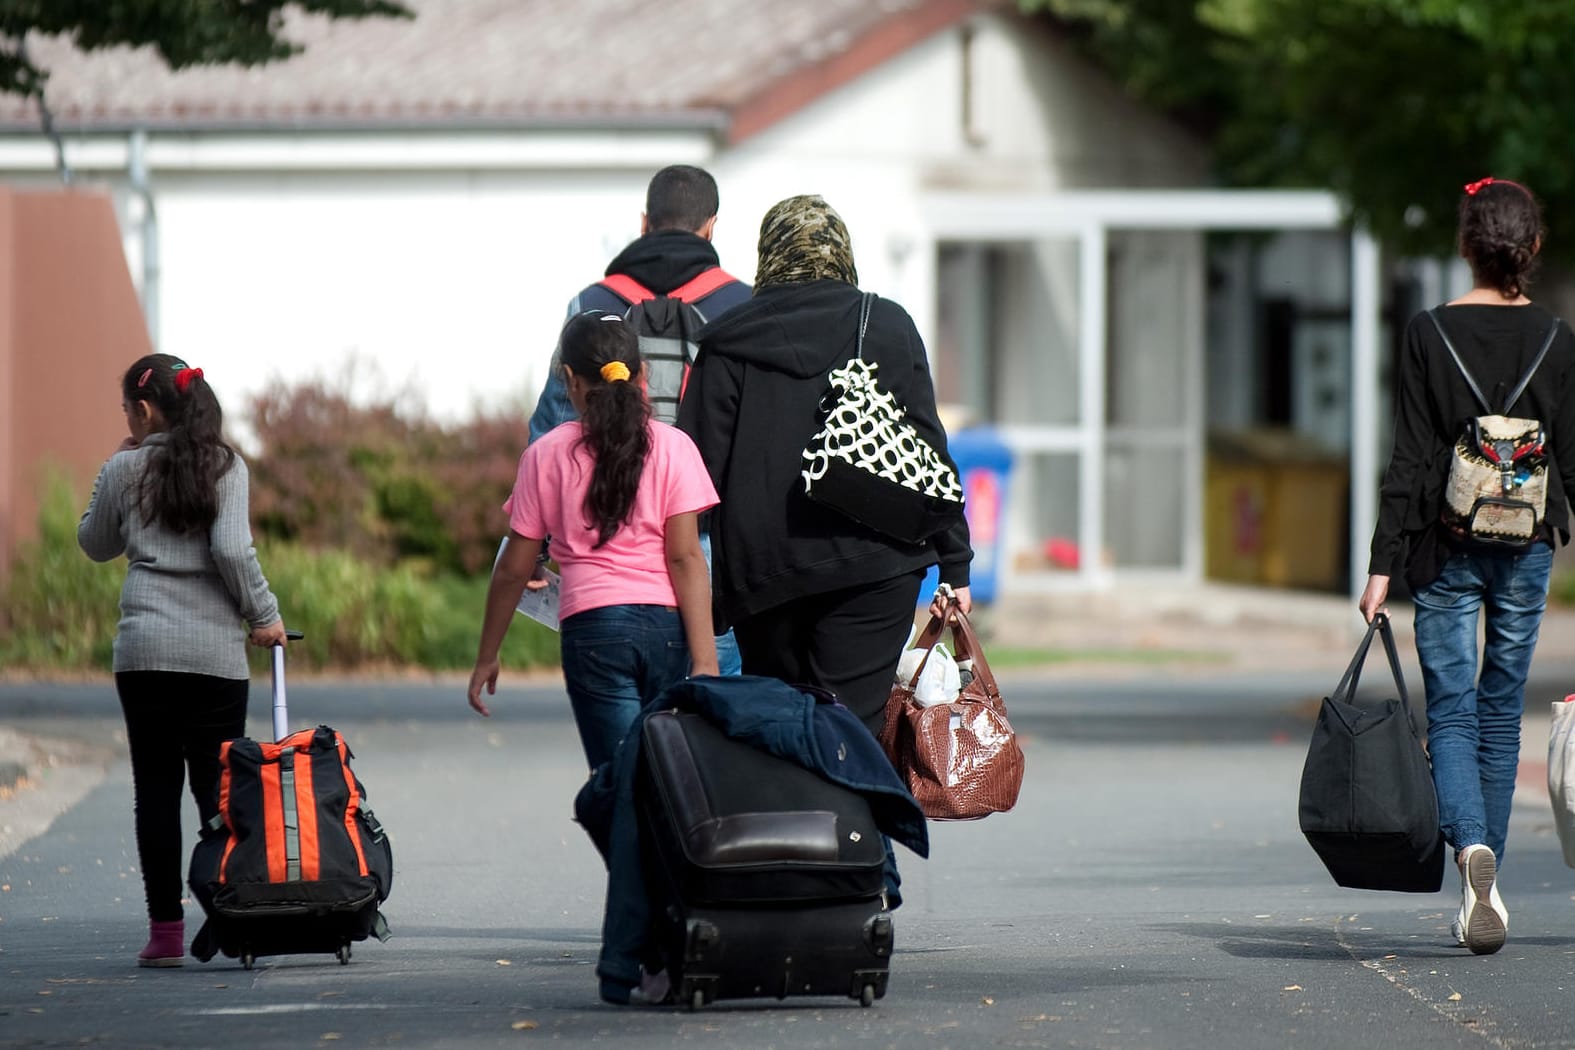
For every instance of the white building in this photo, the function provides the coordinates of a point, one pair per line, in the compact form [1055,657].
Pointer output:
[422,197]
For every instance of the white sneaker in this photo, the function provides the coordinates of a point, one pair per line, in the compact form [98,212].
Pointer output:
[1483,922]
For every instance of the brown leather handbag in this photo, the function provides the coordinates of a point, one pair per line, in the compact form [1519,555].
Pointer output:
[961,759]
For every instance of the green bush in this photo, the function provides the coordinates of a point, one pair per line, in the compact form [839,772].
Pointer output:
[355,614]
[380,480]
[61,608]
[1562,591]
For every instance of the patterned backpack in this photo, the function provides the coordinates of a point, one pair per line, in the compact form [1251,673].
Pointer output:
[868,462]
[1497,490]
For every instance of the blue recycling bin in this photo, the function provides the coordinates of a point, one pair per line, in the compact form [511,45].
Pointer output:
[985,465]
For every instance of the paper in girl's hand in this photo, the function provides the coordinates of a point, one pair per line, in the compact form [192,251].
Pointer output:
[542,605]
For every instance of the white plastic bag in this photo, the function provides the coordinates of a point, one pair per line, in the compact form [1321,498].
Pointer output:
[939,683]
[1561,774]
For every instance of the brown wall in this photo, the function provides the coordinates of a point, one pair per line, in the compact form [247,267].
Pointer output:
[70,324]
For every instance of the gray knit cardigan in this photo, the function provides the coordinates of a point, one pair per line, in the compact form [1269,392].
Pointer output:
[187,599]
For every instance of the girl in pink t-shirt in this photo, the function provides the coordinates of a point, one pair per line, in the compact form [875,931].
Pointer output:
[620,494]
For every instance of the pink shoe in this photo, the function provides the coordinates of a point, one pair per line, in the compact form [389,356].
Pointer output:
[166,944]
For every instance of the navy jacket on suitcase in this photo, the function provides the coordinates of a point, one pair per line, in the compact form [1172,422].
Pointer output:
[807,729]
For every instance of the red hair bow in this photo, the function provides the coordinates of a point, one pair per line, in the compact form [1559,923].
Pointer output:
[1472,187]
[184,377]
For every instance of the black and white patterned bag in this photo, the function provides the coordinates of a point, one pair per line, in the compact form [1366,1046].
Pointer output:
[868,462]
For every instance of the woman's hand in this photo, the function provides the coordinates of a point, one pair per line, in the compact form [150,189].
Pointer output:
[1374,597]
[269,636]
[485,674]
[939,604]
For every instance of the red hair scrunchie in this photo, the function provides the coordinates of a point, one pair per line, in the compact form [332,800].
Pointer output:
[184,377]
[1472,187]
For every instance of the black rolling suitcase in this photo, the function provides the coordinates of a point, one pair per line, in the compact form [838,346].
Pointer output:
[294,862]
[767,879]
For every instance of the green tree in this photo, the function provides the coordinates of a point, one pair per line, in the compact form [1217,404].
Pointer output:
[183,32]
[1392,103]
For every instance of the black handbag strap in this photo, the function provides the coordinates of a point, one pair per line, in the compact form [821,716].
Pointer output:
[1520,387]
[865,302]
[1353,673]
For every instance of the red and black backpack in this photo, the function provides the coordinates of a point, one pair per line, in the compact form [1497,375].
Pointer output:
[667,325]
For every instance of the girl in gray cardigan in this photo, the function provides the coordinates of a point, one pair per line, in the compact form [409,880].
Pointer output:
[173,500]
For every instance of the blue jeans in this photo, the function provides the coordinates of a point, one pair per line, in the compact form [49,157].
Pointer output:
[615,660]
[1473,724]
[727,659]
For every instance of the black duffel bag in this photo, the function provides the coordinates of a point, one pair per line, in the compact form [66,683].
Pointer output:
[1368,807]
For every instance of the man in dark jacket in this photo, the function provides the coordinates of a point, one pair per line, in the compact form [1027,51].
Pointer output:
[673,249]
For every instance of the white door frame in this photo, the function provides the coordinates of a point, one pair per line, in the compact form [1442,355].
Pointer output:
[1090,215]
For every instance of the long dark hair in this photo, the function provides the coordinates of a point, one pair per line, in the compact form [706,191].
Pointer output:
[180,487]
[615,426]
[1500,225]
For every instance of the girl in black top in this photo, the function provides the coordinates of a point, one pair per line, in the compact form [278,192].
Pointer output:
[1474,722]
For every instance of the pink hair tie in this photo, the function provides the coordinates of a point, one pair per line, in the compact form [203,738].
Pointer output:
[1473,187]
[184,377]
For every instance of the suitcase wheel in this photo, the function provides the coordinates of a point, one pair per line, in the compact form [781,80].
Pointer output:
[867,995]
[248,960]
[696,999]
[343,955]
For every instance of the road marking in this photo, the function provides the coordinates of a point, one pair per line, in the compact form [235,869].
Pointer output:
[1378,967]
[281,1008]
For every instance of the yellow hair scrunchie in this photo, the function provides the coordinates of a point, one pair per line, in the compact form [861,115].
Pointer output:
[615,371]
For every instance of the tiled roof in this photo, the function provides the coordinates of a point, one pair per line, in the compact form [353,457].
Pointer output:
[494,62]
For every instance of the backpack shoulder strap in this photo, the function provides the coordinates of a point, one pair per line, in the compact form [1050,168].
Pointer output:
[701,285]
[1525,380]
[1472,383]
[627,288]
[866,302]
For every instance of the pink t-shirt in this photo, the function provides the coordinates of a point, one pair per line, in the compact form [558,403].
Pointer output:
[631,569]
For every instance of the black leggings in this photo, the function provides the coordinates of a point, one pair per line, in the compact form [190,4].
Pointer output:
[847,641]
[174,722]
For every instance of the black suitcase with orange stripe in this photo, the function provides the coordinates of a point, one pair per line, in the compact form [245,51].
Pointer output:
[294,862]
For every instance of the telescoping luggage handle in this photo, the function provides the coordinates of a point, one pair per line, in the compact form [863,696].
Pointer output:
[281,707]
[1347,687]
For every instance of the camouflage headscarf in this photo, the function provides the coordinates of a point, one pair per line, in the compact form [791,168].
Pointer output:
[803,239]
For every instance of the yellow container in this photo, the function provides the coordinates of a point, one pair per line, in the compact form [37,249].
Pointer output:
[1275,512]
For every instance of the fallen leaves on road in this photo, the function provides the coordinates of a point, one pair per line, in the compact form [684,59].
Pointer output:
[523,1026]
[986,1000]
[504,962]
[1291,988]
[1455,997]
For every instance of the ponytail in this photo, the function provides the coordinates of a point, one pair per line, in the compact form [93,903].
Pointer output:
[615,426]
[179,489]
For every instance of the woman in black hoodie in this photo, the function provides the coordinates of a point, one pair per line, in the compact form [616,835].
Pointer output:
[812,595]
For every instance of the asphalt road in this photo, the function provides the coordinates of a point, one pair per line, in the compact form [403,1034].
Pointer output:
[1151,890]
